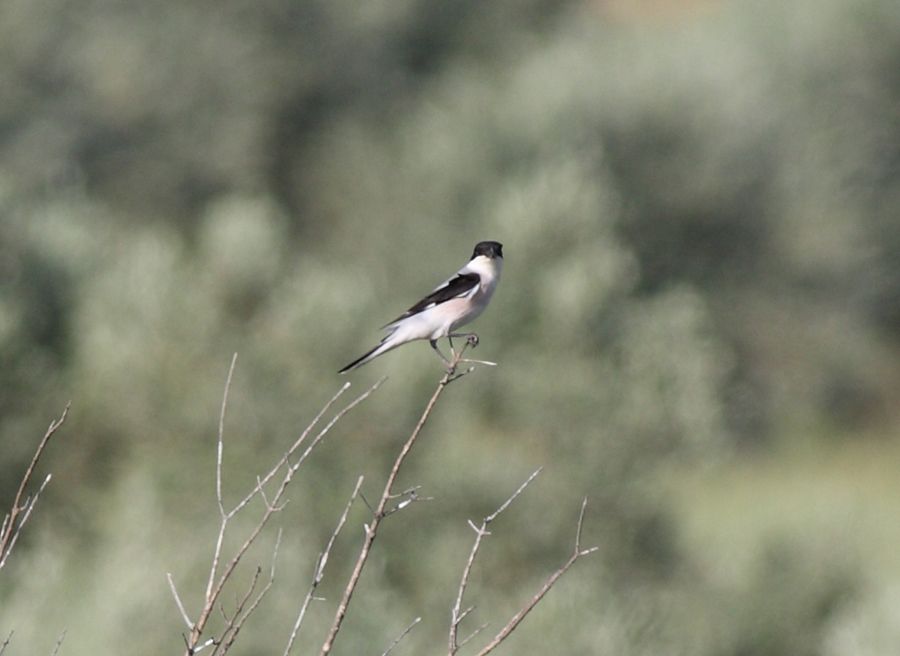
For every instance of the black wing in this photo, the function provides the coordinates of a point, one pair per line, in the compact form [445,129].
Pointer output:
[453,288]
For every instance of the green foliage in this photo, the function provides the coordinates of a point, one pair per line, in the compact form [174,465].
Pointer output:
[699,216]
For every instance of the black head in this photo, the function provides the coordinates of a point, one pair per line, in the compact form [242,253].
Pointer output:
[489,249]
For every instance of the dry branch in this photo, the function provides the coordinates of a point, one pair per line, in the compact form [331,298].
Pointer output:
[289,464]
[319,570]
[381,511]
[389,503]
[58,644]
[401,636]
[457,614]
[234,623]
[577,553]
[22,506]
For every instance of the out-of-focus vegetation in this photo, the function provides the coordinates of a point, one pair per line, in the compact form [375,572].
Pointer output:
[698,326]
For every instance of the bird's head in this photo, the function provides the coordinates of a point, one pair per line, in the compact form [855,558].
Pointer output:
[489,249]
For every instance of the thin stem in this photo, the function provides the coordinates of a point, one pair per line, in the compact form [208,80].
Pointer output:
[577,553]
[21,510]
[58,644]
[178,602]
[220,447]
[380,513]
[5,643]
[218,579]
[319,571]
[296,445]
[235,624]
[457,615]
[401,636]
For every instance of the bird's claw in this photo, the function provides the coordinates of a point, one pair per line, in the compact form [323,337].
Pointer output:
[472,340]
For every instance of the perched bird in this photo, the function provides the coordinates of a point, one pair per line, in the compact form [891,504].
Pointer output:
[454,303]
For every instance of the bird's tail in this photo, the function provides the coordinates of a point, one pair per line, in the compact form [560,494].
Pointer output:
[385,346]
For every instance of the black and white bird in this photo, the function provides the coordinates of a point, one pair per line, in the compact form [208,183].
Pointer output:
[452,304]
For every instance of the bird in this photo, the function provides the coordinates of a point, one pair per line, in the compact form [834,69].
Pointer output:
[454,303]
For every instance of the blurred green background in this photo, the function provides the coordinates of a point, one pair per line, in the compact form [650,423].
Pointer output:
[698,325]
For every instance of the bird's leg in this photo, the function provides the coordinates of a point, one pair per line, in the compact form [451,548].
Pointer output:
[434,345]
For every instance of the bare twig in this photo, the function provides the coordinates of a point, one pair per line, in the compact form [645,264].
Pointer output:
[319,570]
[577,553]
[220,442]
[261,482]
[58,644]
[407,497]
[217,552]
[178,602]
[474,633]
[219,576]
[456,614]
[236,622]
[21,508]
[5,643]
[400,637]
[380,512]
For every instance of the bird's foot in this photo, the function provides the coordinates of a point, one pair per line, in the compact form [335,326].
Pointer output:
[471,338]
[471,342]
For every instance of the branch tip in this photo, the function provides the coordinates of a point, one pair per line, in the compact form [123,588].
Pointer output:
[20,511]
[401,636]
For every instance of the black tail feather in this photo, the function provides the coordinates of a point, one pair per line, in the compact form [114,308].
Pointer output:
[359,361]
